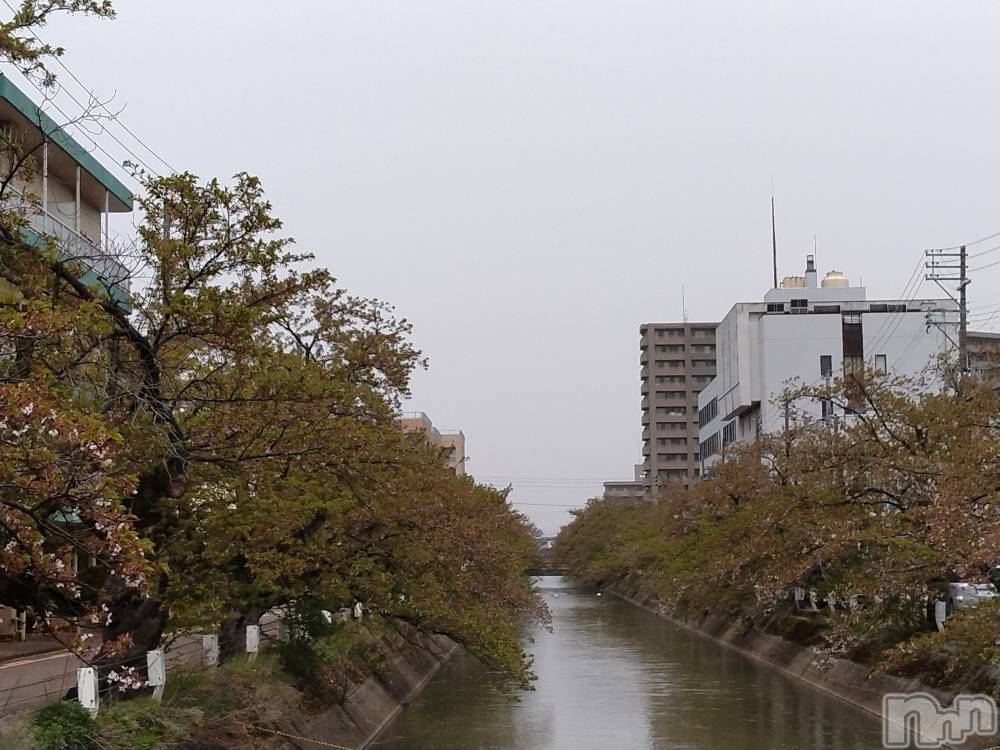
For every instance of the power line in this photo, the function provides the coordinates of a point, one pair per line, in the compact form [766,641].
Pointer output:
[113,116]
[69,120]
[985,252]
[988,265]
[974,242]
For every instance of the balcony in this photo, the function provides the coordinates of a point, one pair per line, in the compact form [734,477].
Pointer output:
[644,358]
[645,433]
[102,268]
[645,403]
[644,390]
[645,418]
[644,372]
[69,177]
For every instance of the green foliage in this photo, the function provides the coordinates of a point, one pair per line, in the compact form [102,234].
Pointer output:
[967,645]
[900,498]
[142,724]
[229,441]
[62,725]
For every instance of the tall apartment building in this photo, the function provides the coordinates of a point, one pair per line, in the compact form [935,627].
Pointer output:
[450,442]
[811,332]
[677,361]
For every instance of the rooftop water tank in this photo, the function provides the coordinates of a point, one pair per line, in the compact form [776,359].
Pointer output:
[793,282]
[835,280]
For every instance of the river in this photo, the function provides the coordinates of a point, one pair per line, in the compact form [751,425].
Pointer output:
[612,676]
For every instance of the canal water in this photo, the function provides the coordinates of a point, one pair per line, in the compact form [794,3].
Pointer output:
[615,677]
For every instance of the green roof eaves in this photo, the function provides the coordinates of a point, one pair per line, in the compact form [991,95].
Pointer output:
[64,140]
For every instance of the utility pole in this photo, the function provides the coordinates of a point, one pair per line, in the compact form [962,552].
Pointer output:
[963,314]
[936,266]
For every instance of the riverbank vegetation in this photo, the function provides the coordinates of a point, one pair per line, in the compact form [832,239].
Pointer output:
[205,430]
[873,512]
[244,703]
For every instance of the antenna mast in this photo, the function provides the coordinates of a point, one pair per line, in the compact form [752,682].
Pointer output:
[774,245]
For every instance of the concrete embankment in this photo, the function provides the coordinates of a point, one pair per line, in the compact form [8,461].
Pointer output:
[371,704]
[850,681]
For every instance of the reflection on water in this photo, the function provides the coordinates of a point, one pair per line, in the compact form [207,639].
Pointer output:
[612,676]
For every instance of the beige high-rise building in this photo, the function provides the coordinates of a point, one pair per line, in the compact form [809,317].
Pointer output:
[677,361]
[450,441]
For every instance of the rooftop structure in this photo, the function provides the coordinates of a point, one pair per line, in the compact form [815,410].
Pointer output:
[811,331]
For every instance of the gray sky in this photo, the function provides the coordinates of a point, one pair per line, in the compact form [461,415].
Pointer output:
[528,181]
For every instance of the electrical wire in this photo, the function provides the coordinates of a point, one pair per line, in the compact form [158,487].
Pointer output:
[113,116]
[966,244]
[988,265]
[984,252]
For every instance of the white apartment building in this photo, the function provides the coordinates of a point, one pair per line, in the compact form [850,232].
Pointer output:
[809,332]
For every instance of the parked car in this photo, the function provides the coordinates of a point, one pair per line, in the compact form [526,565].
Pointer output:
[964,595]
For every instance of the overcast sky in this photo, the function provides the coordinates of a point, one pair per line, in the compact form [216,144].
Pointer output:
[529,181]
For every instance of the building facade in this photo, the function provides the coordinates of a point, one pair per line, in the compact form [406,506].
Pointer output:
[65,193]
[984,356]
[810,333]
[450,442]
[677,361]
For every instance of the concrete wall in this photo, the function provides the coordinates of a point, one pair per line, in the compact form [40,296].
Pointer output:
[371,705]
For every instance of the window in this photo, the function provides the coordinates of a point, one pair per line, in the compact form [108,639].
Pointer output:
[878,307]
[827,406]
[820,309]
[670,347]
[671,427]
[671,473]
[671,394]
[896,308]
[881,364]
[669,332]
[702,378]
[799,306]
[703,363]
[825,365]
[708,412]
[669,379]
[854,354]
[703,347]
[671,458]
[729,433]
[709,446]
[702,333]
[775,307]
[671,441]
[670,411]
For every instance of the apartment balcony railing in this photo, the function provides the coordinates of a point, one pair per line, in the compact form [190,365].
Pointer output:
[101,268]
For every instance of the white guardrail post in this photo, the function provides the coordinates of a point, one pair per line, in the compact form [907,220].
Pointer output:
[86,689]
[156,672]
[253,640]
[210,650]
[940,614]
